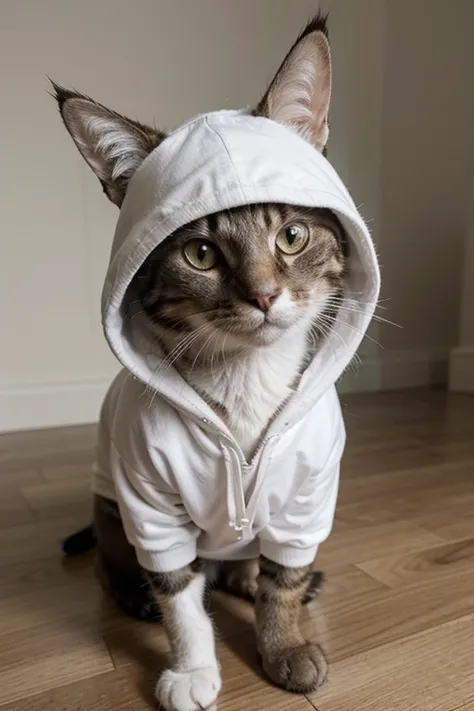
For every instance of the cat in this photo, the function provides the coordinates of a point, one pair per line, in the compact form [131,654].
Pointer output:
[238,302]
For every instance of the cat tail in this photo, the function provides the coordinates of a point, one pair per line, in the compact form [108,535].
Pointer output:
[80,542]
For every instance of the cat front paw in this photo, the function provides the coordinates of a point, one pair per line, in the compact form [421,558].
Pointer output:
[194,690]
[300,669]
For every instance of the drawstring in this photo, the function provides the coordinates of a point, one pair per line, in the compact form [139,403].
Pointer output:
[238,519]
[231,505]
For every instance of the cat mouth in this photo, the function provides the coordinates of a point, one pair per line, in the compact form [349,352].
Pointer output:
[267,333]
[262,333]
[255,326]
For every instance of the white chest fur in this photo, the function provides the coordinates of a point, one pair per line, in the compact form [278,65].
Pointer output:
[253,386]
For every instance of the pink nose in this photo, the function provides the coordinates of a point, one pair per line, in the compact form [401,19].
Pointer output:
[264,302]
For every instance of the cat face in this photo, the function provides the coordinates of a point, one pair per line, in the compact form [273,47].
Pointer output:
[249,273]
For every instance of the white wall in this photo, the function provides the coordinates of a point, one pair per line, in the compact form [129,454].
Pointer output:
[402,127]
[426,174]
[357,34]
[154,59]
[401,119]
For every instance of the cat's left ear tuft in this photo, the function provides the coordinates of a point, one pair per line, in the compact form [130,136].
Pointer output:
[113,145]
[300,93]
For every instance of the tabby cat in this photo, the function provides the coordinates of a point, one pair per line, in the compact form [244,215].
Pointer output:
[201,292]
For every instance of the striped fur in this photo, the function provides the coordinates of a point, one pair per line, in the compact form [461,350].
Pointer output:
[241,333]
[279,593]
[287,658]
[210,325]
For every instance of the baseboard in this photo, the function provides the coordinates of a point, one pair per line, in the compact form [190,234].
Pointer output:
[398,370]
[51,404]
[461,369]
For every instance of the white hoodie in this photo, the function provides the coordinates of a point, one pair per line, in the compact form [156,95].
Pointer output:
[181,481]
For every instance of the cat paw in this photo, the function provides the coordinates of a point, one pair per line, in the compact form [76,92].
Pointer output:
[300,669]
[194,690]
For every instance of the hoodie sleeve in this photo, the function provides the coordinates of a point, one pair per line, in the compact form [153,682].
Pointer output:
[133,440]
[294,534]
[154,518]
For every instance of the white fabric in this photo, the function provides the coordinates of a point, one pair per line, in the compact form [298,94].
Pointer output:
[177,473]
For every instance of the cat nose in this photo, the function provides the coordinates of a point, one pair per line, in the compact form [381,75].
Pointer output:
[264,302]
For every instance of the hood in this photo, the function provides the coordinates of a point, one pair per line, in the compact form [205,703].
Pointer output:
[213,162]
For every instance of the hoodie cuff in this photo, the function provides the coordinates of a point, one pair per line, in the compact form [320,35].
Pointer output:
[167,561]
[289,556]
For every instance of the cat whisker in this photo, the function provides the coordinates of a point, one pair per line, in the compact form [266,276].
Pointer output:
[214,353]
[354,306]
[329,324]
[375,317]
[185,344]
[226,336]
[356,360]
[181,347]
[329,328]
[357,330]
[378,305]
[213,334]
[162,370]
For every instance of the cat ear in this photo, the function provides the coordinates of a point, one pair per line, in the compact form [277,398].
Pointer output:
[300,93]
[114,146]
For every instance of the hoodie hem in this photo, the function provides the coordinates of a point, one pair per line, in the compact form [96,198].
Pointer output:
[167,561]
[289,556]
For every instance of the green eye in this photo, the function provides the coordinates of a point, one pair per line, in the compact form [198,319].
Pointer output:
[200,254]
[292,239]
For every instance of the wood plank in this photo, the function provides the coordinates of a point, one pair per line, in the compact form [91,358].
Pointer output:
[32,450]
[67,472]
[387,456]
[24,611]
[433,564]
[14,509]
[39,539]
[57,498]
[346,581]
[34,576]
[130,687]
[414,496]
[450,476]
[57,493]
[348,545]
[451,524]
[48,656]
[244,686]
[352,624]
[16,478]
[123,690]
[399,591]
[430,671]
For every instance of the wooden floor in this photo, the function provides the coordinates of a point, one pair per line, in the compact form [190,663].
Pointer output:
[396,616]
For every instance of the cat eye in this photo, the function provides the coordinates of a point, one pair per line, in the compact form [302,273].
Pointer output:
[292,239]
[200,254]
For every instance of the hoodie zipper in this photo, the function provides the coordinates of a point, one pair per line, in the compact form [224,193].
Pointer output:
[239,518]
